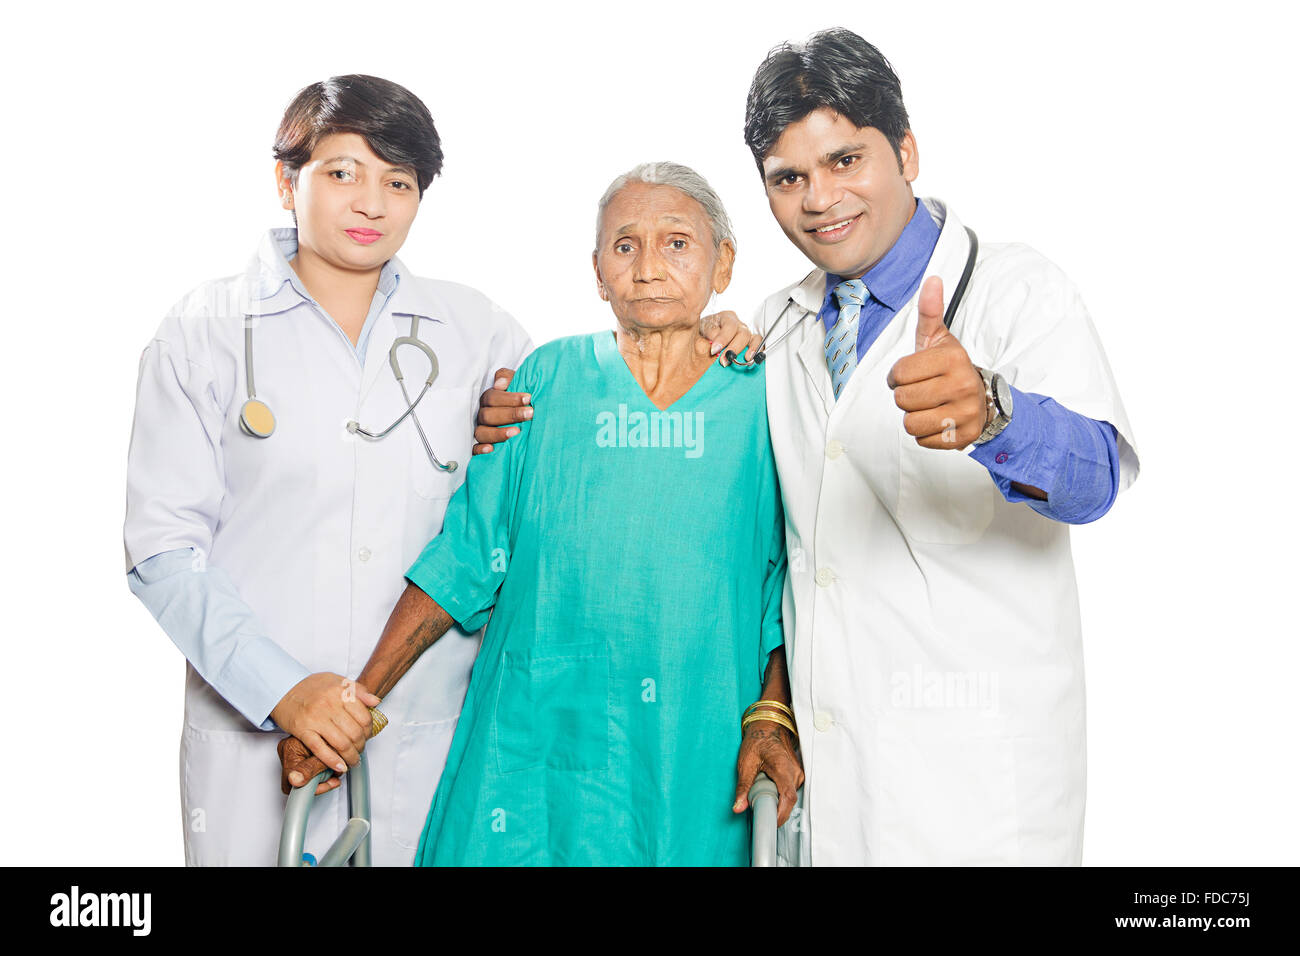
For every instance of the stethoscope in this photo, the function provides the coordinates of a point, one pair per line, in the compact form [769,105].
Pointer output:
[256,418]
[760,355]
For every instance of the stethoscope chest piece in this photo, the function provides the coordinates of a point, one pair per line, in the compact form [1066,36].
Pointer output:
[255,419]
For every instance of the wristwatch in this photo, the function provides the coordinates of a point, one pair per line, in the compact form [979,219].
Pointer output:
[998,395]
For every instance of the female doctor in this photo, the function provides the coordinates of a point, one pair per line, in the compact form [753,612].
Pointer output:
[264,530]
[278,486]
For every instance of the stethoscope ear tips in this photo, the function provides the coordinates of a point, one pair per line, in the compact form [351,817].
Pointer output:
[255,419]
[749,361]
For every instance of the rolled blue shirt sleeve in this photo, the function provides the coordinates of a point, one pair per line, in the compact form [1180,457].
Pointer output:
[1075,459]
[200,609]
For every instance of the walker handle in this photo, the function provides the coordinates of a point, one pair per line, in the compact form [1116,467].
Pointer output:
[762,799]
[353,844]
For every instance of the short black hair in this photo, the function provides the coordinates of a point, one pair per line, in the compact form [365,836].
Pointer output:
[392,120]
[836,69]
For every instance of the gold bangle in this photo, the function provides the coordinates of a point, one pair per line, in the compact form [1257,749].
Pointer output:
[766,710]
[769,703]
[770,716]
[767,715]
[377,721]
[780,721]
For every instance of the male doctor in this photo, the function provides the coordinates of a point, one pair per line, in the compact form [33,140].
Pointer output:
[929,476]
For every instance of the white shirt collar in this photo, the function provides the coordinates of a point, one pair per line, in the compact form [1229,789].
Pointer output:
[277,286]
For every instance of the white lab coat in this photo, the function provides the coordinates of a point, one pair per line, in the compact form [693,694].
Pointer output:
[316,528]
[932,628]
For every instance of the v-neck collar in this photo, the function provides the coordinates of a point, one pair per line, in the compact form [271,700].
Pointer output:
[615,366]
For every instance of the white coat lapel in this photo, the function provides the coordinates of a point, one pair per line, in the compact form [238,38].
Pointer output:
[947,262]
[810,339]
[381,341]
[898,338]
[405,303]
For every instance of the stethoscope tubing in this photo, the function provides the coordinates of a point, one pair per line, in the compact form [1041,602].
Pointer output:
[354,427]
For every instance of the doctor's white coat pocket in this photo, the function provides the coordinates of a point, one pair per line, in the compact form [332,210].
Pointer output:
[421,754]
[447,417]
[230,797]
[944,497]
[948,793]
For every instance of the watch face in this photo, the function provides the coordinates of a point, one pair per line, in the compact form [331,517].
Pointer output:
[1002,395]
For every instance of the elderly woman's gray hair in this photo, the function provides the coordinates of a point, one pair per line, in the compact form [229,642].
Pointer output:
[679,177]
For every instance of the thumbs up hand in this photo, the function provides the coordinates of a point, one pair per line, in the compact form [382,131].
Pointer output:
[940,392]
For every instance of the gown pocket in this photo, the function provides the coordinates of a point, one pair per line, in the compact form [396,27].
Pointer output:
[552,709]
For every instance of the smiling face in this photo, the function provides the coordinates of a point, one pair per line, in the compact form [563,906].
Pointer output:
[838,192]
[353,208]
[654,259]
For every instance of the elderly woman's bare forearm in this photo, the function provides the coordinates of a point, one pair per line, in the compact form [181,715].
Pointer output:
[776,680]
[416,622]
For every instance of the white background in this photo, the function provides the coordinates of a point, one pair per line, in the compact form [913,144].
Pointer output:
[1149,149]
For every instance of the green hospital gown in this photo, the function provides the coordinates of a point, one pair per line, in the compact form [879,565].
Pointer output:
[633,564]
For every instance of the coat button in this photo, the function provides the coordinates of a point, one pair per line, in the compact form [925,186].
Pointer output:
[834,448]
[363,554]
[822,720]
[825,577]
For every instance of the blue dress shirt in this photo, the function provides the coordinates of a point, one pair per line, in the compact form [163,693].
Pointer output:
[1073,458]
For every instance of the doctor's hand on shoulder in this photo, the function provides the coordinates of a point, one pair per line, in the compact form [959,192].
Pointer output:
[329,715]
[939,389]
[499,410]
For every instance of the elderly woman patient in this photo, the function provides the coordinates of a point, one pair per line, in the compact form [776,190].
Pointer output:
[609,718]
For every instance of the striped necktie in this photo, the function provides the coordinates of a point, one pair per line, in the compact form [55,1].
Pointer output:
[842,339]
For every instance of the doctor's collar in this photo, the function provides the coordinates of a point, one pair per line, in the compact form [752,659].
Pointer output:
[277,286]
[808,294]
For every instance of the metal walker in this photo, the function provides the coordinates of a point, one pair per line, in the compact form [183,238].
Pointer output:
[352,847]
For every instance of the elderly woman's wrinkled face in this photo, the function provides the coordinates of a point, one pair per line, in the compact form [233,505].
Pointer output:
[655,260]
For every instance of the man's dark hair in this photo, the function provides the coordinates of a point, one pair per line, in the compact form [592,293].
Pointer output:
[836,69]
[396,126]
